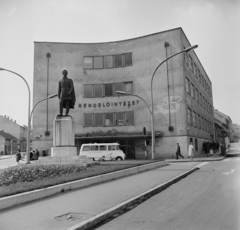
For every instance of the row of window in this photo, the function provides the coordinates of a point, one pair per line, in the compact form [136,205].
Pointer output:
[198,121]
[107,90]
[106,62]
[109,119]
[193,67]
[194,92]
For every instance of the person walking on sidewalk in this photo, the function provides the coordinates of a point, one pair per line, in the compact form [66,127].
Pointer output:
[18,156]
[190,151]
[178,153]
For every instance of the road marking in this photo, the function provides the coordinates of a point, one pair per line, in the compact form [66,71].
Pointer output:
[227,173]
[202,164]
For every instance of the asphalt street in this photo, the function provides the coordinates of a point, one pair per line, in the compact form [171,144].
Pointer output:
[52,212]
[208,199]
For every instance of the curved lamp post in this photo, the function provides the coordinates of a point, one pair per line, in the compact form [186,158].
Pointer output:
[130,94]
[153,135]
[29,121]
[49,97]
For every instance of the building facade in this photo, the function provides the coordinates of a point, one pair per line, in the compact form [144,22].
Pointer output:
[8,144]
[19,132]
[182,93]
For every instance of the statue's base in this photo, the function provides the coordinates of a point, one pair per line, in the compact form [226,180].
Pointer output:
[64,151]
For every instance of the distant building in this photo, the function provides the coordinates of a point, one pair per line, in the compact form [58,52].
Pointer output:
[182,91]
[17,131]
[8,143]
[236,129]
[224,132]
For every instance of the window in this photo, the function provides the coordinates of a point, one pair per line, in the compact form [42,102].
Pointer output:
[94,147]
[88,119]
[88,90]
[99,119]
[192,90]
[195,69]
[190,62]
[128,87]
[86,148]
[189,117]
[118,87]
[108,62]
[128,59]
[103,147]
[199,121]
[194,119]
[98,90]
[109,119]
[118,60]
[98,62]
[119,118]
[87,62]
[187,85]
[108,89]
[185,56]
[200,98]
[196,144]
[112,147]
[202,123]
[197,96]
[129,120]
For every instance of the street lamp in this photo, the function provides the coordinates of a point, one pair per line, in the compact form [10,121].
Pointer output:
[29,121]
[152,114]
[130,94]
[49,97]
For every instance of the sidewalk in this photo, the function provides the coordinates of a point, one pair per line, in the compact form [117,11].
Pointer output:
[199,158]
[82,207]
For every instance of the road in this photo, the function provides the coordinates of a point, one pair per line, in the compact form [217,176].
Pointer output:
[208,199]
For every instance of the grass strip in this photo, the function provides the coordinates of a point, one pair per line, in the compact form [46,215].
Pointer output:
[90,171]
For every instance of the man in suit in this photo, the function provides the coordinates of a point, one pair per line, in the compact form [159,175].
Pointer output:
[66,93]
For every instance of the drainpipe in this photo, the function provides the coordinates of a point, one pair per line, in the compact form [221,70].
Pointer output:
[170,128]
[47,133]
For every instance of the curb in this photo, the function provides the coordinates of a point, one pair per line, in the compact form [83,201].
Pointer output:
[127,204]
[11,201]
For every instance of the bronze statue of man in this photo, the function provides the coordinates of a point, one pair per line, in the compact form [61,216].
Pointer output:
[66,93]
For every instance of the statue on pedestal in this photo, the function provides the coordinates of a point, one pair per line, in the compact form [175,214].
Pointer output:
[66,94]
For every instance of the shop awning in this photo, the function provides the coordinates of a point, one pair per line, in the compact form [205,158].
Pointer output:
[117,135]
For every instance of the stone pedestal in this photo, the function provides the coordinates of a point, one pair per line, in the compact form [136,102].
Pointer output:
[63,137]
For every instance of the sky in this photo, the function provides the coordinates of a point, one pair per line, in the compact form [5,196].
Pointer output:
[212,24]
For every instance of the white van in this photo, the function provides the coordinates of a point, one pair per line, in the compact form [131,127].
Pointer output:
[102,151]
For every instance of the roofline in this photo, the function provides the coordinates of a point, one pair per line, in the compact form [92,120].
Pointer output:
[148,35]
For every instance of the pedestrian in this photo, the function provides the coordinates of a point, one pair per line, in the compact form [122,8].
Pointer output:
[18,156]
[37,154]
[178,152]
[190,151]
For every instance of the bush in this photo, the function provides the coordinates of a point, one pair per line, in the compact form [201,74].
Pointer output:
[30,173]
